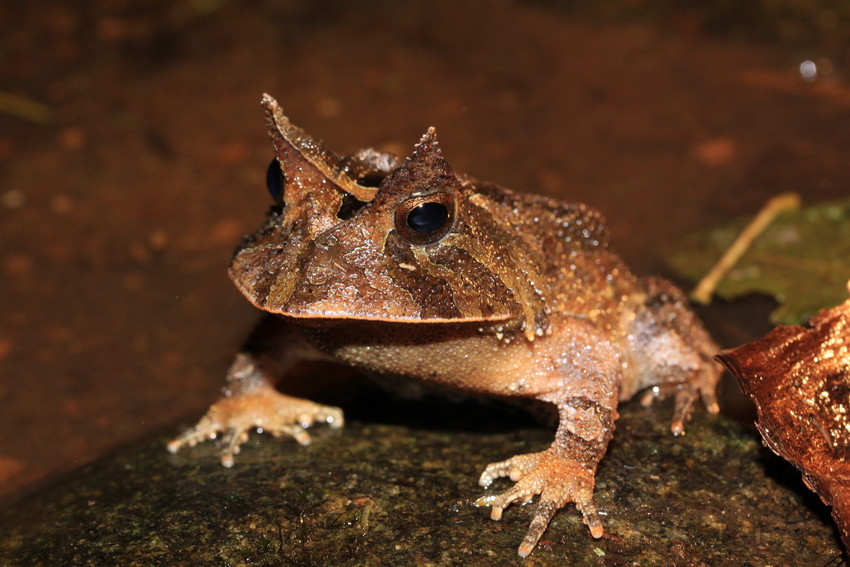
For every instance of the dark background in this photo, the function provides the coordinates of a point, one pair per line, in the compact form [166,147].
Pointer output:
[133,152]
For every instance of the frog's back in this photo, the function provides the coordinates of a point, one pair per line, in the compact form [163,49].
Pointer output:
[580,274]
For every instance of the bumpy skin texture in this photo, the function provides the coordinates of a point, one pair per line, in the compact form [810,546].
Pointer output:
[411,269]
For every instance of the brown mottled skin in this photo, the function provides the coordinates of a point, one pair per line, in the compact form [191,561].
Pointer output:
[494,292]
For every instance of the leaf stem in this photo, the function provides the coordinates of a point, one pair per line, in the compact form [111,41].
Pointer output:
[24,108]
[779,204]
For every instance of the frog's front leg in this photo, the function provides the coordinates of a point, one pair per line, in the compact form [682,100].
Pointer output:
[565,472]
[250,400]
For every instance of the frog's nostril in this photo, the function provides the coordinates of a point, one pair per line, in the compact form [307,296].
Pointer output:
[350,206]
[372,179]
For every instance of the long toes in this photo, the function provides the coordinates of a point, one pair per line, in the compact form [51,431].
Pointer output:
[684,404]
[591,518]
[515,494]
[494,471]
[181,441]
[510,496]
[231,440]
[329,415]
[649,396]
[709,398]
[514,468]
[545,511]
[297,432]
[191,437]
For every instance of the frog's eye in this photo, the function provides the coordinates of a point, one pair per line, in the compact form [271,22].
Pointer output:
[425,219]
[275,181]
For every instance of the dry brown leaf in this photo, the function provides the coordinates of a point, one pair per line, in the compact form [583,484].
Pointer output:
[799,379]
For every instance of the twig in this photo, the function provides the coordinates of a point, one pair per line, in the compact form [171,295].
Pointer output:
[25,108]
[779,204]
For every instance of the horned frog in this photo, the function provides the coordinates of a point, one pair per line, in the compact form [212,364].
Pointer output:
[408,268]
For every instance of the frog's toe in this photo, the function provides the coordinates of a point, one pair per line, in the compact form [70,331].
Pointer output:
[206,429]
[554,498]
[316,413]
[684,395]
[515,468]
[499,502]
[709,399]
[546,509]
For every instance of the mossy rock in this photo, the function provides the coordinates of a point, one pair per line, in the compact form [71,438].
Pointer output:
[396,494]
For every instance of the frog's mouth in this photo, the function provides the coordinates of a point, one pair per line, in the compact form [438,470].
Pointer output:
[363,271]
[311,280]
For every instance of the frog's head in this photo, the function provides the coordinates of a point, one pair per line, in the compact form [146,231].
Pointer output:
[373,238]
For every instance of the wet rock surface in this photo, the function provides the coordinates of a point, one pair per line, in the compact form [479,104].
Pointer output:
[397,493]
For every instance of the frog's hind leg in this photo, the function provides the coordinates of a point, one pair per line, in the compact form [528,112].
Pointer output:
[672,353]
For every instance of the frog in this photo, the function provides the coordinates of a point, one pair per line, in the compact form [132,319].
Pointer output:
[407,268]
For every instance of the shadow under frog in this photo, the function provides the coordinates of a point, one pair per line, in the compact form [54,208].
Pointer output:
[409,268]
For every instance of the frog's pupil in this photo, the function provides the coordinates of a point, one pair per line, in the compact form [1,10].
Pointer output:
[274,181]
[427,217]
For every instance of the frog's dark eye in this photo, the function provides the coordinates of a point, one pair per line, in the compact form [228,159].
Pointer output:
[275,181]
[425,219]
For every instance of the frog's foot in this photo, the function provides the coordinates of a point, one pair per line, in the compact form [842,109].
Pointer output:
[685,395]
[557,479]
[262,408]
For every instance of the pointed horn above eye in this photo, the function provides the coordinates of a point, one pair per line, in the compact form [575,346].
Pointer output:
[428,142]
[295,150]
[423,171]
[427,154]
[430,135]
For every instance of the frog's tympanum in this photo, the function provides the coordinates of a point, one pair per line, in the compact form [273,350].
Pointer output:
[408,268]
